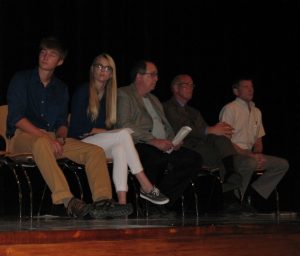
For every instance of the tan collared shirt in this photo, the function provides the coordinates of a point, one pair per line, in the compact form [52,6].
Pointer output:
[246,121]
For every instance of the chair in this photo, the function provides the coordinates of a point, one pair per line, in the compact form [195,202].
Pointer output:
[256,174]
[73,173]
[19,164]
[204,171]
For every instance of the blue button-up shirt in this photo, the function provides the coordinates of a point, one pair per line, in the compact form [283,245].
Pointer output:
[45,107]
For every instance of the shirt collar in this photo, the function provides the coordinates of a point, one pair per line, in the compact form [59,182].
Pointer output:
[181,104]
[244,103]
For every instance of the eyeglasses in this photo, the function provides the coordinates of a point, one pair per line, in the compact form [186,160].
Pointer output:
[152,74]
[100,67]
[187,85]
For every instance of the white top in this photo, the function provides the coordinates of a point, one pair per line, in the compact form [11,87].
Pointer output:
[246,121]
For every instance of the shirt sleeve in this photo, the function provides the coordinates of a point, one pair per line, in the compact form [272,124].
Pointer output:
[226,115]
[16,99]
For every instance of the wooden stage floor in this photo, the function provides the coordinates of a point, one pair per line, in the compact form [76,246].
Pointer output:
[209,235]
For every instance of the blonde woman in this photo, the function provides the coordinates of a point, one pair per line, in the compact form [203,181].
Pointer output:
[93,116]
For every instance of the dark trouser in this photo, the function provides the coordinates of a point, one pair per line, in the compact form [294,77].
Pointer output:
[171,173]
[214,149]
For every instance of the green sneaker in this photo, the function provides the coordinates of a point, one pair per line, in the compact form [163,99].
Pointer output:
[108,209]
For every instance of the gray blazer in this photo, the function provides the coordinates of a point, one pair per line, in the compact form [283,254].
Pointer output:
[132,113]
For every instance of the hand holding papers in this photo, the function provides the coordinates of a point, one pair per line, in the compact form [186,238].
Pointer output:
[182,133]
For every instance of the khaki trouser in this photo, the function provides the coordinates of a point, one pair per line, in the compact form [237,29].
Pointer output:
[93,157]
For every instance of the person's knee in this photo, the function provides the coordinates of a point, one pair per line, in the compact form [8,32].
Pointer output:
[246,165]
[118,150]
[98,151]
[284,165]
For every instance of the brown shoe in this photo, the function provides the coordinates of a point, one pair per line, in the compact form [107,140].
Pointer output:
[78,208]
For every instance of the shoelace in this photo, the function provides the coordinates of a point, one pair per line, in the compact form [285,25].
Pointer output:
[155,191]
[103,204]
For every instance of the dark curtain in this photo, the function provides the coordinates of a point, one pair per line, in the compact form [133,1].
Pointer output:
[214,41]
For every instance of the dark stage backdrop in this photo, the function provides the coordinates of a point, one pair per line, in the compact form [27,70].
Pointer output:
[214,41]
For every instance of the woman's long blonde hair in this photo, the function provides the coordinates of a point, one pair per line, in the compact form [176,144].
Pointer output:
[110,94]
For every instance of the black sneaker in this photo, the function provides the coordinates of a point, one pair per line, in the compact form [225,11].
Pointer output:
[108,209]
[77,208]
[155,196]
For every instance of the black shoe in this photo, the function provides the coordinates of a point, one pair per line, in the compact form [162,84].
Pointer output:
[108,209]
[232,208]
[78,208]
[240,209]
[247,208]
[59,210]
[160,211]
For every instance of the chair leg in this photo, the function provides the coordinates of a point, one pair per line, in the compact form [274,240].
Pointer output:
[212,190]
[195,198]
[136,195]
[42,200]
[277,202]
[79,184]
[182,206]
[147,209]
[30,192]
[12,167]
[20,194]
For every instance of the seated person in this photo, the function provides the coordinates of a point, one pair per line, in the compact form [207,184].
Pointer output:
[93,114]
[37,123]
[142,112]
[212,142]
[248,131]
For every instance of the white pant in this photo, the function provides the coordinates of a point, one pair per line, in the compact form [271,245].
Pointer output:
[118,146]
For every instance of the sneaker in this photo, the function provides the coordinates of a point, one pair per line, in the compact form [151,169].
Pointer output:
[77,208]
[108,209]
[155,196]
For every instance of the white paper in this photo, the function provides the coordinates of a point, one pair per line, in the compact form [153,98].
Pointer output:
[181,134]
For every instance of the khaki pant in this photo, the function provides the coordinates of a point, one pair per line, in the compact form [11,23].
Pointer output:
[93,157]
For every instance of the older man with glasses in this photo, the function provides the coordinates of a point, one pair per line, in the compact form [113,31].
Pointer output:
[141,111]
[211,142]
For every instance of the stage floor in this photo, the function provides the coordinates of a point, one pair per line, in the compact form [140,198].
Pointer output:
[48,222]
[209,235]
